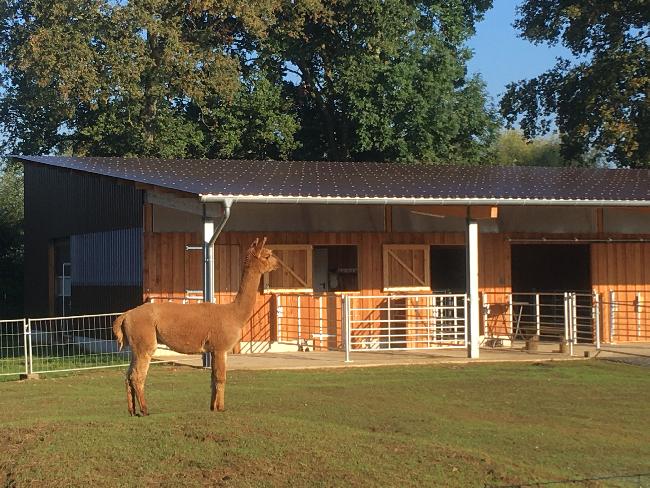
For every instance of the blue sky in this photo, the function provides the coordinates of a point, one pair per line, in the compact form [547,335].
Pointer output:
[500,56]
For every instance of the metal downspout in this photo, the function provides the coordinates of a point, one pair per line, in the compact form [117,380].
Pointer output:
[210,236]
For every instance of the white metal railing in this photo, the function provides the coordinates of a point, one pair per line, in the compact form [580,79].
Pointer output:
[400,322]
[308,321]
[73,343]
[568,318]
[13,351]
[627,315]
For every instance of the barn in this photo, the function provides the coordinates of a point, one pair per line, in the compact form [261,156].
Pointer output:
[378,256]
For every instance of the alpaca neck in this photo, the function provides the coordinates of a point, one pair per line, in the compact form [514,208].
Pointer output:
[247,294]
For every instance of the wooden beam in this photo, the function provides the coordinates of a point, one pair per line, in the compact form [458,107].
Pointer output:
[478,212]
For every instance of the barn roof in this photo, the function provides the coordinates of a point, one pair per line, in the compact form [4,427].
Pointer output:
[365,182]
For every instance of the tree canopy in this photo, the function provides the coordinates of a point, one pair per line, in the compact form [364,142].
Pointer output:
[599,101]
[337,79]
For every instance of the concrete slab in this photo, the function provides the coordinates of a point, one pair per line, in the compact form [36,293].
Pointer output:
[336,359]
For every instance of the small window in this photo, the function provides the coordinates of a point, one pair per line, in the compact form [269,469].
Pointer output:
[295,271]
[406,267]
[335,268]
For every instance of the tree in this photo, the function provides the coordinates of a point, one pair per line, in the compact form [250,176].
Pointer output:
[11,241]
[143,77]
[382,79]
[599,101]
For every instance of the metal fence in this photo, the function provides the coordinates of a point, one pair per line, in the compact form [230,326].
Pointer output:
[73,343]
[627,315]
[566,318]
[13,352]
[399,322]
[310,322]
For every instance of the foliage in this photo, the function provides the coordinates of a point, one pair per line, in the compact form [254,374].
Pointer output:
[341,79]
[122,78]
[512,148]
[11,241]
[383,80]
[600,100]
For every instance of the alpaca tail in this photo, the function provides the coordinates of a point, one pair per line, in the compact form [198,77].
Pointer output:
[118,330]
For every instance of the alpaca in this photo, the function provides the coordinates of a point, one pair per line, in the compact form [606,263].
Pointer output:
[190,329]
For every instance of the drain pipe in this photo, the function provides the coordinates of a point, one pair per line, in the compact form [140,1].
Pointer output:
[210,236]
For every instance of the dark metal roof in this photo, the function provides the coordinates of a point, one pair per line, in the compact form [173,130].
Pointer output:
[371,182]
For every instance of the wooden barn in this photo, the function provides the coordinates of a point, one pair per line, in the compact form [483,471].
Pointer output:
[396,256]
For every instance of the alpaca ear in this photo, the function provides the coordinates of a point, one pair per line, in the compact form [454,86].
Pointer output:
[254,243]
[260,247]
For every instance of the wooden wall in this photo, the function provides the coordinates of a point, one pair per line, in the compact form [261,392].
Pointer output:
[623,268]
[170,269]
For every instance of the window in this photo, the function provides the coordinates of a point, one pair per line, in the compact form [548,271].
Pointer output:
[406,267]
[295,271]
[335,268]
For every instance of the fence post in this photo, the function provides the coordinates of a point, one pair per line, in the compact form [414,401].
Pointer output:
[345,312]
[596,314]
[29,357]
[566,319]
[612,315]
[638,314]
[390,335]
[574,322]
[538,318]
[299,325]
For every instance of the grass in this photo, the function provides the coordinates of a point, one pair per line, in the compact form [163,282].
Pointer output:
[475,425]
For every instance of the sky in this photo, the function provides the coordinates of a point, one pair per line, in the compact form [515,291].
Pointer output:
[501,57]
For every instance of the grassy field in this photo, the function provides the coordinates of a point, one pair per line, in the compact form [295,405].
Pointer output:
[476,425]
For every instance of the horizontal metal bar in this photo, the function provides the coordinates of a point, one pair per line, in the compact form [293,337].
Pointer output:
[43,319]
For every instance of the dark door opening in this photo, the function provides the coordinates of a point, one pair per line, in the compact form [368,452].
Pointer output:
[550,270]
[448,269]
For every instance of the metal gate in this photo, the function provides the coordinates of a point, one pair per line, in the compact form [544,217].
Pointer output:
[405,322]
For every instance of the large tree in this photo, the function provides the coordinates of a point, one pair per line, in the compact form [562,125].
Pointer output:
[600,99]
[383,79]
[144,77]
[337,79]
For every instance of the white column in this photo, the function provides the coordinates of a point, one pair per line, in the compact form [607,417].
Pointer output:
[208,260]
[472,288]
[208,272]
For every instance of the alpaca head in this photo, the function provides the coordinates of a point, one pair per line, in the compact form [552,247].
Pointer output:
[261,258]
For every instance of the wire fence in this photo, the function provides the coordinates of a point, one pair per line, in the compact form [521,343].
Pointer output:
[13,353]
[73,343]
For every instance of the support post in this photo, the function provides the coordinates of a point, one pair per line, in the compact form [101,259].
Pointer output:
[210,236]
[596,306]
[345,316]
[472,288]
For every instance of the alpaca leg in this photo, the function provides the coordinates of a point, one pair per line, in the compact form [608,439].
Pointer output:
[213,381]
[137,377]
[220,374]
[130,392]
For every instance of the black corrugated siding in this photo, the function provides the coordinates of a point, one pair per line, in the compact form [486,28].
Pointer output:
[60,203]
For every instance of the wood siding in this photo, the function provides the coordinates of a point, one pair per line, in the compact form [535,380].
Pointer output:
[624,269]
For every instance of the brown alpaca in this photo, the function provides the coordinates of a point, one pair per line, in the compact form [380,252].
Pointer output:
[191,329]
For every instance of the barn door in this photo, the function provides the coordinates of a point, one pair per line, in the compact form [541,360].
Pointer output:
[295,270]
[406,267]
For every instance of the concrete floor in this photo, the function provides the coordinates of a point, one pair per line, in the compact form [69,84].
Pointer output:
[336,359]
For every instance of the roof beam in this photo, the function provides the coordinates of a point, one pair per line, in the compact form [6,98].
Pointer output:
[189,205]
[478,212]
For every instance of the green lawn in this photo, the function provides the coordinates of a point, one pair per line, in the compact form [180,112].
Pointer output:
[477,425]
